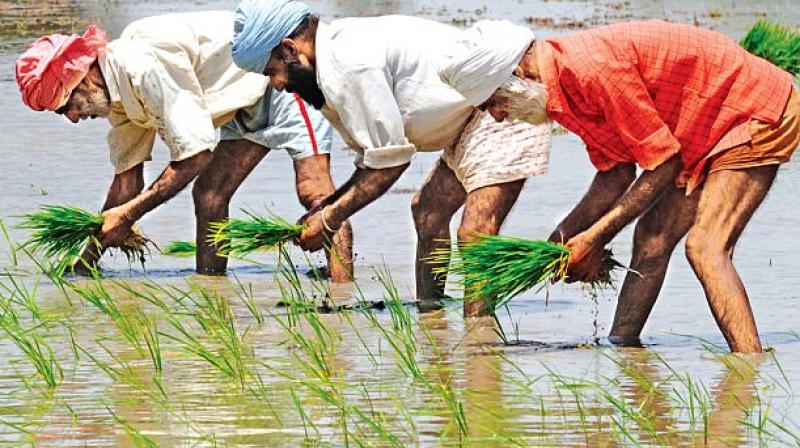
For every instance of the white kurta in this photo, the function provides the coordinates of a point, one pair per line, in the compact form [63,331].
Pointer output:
[380,78]
[173,75]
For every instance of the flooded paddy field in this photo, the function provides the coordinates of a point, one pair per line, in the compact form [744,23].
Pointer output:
[163,357]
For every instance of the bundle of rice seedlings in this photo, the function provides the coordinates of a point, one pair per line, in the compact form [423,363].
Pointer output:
[242,236]
[499,268]
[62,232]
[775,43]
[180,249]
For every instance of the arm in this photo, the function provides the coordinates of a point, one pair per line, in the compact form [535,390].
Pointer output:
[172,95]
[605,190]
[623,96]
[118,220]
[586,249]
[364,186]
[644,192]
[125,186]
[370,115]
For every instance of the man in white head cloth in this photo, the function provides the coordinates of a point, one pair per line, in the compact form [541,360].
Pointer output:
[376,79]
[172,75]
[709,124]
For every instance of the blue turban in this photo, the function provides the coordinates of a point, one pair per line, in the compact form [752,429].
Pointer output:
[259,27]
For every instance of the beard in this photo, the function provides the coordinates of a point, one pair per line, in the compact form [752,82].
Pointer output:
[302,80]
[98,103]
[525,100]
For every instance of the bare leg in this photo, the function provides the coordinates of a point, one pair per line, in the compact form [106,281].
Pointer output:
[233,161]
[657,233]
[125,186]
[728,201]
[439,198]
[485,210]
[314,183]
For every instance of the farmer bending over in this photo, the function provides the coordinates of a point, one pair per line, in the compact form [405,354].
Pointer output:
[173,75]
[376,79]
[707,121]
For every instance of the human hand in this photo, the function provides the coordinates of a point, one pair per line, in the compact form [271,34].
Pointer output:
[316,234]
[585,259]
[116,227]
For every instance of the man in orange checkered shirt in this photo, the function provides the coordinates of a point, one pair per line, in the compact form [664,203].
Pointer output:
[707,121]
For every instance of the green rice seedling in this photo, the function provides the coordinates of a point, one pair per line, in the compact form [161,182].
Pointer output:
[180,249]
[61,233]
[242,236]
[36,350]
[97,295]
[212,313]
[217,323]
[20,295]
[53,273]
[331,392]
[245,293]
[120,371]
[316,347]
[402,339]
[150,335]
[695,401]
[455,406]
[138,439]
[12,247]
[305,420]
[499,268]
[775,43]
[259,390]
[151,292]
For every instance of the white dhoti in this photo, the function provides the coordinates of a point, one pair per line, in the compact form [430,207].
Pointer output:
[491,153]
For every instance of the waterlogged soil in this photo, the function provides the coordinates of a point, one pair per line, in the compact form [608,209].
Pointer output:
[231,376]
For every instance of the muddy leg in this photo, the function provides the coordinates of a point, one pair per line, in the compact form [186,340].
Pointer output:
[657,233]
[314,183]
[728,201]
[233,161]
[484,212]
[439,198]
[125,186]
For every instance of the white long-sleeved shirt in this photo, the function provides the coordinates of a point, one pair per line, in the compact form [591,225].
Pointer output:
[173,75]
[383,93]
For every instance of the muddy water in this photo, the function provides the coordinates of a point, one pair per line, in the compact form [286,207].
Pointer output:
[45,159]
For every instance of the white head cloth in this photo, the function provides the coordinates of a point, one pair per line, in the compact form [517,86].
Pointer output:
[492,52]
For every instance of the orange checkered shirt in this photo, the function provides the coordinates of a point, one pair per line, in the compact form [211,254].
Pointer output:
[644,91]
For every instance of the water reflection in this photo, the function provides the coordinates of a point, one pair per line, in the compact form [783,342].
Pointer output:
[533,395]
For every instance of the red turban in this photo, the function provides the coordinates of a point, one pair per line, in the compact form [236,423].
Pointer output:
[54,65]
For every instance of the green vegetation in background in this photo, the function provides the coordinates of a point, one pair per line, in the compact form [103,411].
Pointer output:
[775,43]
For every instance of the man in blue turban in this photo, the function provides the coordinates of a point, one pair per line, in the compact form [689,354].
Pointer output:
[259,27]
[376,79]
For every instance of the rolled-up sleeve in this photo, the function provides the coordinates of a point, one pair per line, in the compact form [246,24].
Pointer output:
[370,114]
[629,109]
[170,91]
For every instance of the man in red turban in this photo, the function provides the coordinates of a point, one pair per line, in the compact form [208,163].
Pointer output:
[173,75]
[54,65]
